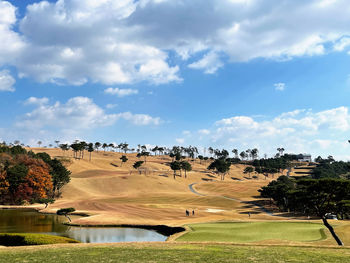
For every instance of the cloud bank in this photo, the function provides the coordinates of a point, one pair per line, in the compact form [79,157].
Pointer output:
[124,42]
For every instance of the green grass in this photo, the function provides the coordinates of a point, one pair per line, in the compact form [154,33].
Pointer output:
[255,231]
[176,253]
[24,239]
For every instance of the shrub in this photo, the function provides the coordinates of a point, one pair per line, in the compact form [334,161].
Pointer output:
[65,211]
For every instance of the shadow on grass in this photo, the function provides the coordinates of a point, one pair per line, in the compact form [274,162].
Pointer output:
[235,178]
[207,179]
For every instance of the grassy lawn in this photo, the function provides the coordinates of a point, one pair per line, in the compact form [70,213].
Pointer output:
[255,231]
[169,252]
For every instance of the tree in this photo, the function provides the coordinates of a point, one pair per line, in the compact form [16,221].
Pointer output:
[15,177]
[104,146]
[90,149]
[64,147]
[65,212]
[75,147]
[57,143]
[137,166]
[317,197]
[235,152]
[60,175]
[46,201]
[155,149]
[243,155]
[39,143]
[39,179]
[211,150]
[321,197]
[200,157]
[175,166]
[144,154]
[124,159]
[124,147]
[222,166]
[280,151]
[248,170]
[4,185]
[254,153]
[111,145]
[186,166]
[82,147]
[97,145]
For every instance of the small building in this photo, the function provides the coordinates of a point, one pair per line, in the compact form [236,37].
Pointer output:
[304,158]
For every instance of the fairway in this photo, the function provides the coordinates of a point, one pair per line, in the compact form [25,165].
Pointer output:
[173,252]
[242,232]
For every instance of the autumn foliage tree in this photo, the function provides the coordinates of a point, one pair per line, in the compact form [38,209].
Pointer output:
[26,176]
[4,184]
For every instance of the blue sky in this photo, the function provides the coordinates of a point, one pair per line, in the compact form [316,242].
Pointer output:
[233,73]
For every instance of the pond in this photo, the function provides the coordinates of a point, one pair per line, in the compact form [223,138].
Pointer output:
[29,221]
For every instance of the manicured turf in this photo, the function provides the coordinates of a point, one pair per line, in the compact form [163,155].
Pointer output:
[176,253]
[255,231]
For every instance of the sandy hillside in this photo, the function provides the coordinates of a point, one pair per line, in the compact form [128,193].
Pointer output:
[117,194]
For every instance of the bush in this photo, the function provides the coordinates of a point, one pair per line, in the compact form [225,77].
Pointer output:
[65,211]
[32,239]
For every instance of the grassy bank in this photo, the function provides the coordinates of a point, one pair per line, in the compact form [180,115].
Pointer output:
[243,232]
[23,239]
[173,252]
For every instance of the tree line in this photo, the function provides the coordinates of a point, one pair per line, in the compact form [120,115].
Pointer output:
[26,176]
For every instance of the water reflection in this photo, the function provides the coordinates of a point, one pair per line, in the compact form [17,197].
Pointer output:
[105,235]
[24,221]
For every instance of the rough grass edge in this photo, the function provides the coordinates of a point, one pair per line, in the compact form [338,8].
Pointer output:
[30,239]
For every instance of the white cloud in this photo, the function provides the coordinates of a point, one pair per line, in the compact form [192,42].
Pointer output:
[111,106]
[121,92]
[139,119]
[292,113]
[186,133]
[180,140]
[36,101]
[82,41]
[322,133]
[77,114]
[204,132]
[280,86]
[6,81]
[11,43]
[123,42]
[210,63]
[342,44]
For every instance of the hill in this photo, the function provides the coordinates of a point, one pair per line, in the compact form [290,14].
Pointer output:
[115,193]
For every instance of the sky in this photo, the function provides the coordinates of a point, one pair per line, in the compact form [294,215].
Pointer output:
[233,74]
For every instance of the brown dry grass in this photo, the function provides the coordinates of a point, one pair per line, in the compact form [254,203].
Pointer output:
[120,195]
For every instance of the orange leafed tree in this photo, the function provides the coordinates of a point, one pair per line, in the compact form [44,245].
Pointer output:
[37,183]
[4,185]
[39,179]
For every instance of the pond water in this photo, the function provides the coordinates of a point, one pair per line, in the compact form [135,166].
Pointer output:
[29,221]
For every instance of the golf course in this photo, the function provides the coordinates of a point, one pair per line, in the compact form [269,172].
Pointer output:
[227,222]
